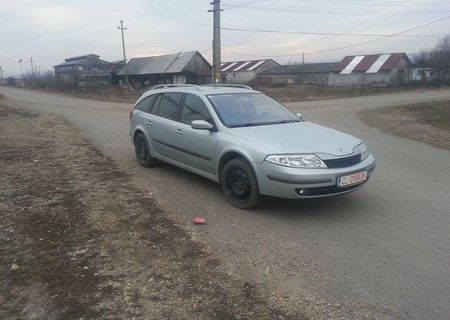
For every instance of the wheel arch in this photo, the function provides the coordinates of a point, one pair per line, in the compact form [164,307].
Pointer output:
[136,132]
[228,156]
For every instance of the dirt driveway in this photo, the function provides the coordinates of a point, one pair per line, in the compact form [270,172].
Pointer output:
[79,241]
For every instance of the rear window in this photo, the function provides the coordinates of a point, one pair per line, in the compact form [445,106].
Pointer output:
[146,104]
[169,105]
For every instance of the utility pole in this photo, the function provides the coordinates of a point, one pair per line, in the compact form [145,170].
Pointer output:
[1,73]
[212,70]
[21,69]
[122,28]
[32,68]
[216,40]
[303,58]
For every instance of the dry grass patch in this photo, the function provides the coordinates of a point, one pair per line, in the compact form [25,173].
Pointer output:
[426,122]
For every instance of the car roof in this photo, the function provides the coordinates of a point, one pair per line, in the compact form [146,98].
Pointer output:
[204,89]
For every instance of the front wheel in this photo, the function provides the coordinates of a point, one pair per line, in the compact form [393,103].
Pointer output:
[240,185]
[143,152]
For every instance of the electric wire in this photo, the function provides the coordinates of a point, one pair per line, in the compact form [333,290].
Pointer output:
[346,46]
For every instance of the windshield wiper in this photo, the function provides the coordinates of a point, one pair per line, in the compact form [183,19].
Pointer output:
[248,124]
[253,124]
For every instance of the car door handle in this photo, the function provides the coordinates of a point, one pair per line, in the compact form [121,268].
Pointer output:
[149,123]
[178,131]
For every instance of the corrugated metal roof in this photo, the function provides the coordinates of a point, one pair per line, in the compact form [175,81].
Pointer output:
[234,66]
[352,65]
[303,68]
[379,62]
[393,61]
[370,63]
[80,60]
[169,63]
[344,62]
[366,63]
[71,63]
[82,57]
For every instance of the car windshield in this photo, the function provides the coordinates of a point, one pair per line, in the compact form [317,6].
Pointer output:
[250,109]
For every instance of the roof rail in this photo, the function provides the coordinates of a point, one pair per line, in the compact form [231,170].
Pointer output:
[242,86]
[174,85]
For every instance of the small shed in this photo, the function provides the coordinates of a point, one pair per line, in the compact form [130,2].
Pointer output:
[183,68]
[308,73]
[245,71]
[389,69]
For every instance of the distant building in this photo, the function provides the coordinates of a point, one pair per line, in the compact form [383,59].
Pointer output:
[85,71]
[391,69]
[183,67]
[116,67]
[308,73]
[421,72]
[245,71]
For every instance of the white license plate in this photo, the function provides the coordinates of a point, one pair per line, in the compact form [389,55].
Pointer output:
[352,179]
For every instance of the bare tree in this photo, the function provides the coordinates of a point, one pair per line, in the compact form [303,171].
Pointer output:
[421,58]
[439,59]
[39,79]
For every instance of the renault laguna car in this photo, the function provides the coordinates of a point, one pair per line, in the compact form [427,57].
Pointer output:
[249,143]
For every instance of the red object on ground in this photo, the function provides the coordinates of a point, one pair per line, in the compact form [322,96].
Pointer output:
[199,220]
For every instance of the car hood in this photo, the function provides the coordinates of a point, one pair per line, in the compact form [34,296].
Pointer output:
[302,137]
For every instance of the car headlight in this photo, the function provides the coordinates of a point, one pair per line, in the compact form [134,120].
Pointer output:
[297,160]
[362,148]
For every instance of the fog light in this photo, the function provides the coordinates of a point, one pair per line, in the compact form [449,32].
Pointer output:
[302,192]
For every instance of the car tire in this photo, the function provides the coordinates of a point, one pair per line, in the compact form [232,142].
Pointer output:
[240,185]
[142,151]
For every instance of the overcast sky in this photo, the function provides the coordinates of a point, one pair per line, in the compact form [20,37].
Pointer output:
[51,30]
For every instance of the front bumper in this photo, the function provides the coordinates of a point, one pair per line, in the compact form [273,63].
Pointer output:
[284,182]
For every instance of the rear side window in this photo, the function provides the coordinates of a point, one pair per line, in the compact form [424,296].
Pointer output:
[194,109]
[169,105]
[146,104]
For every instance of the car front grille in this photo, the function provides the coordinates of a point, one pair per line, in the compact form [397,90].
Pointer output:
[343,162]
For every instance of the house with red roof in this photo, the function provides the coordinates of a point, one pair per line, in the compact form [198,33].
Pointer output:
[245,71]
[389,69]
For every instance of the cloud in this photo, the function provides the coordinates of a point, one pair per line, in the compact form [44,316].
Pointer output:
[51,30]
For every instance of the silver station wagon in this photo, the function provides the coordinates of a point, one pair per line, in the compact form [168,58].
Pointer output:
[249,143]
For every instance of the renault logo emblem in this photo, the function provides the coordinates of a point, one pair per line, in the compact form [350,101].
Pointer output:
[340,149]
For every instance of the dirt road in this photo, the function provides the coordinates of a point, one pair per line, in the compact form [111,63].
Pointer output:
[79,241]
[378,253]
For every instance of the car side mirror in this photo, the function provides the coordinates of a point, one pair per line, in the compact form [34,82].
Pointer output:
[300,115]
[201,125]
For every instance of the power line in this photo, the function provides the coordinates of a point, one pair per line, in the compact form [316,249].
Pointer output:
[329,34]
[382,38]
[332,11]
[402,4]
[347,46]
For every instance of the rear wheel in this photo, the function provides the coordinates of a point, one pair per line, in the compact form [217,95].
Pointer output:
[240,185]
[143,152]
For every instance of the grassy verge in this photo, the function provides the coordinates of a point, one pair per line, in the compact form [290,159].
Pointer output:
[426,122]
[88,244]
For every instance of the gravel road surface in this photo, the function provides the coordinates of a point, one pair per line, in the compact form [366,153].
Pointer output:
[382,252]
